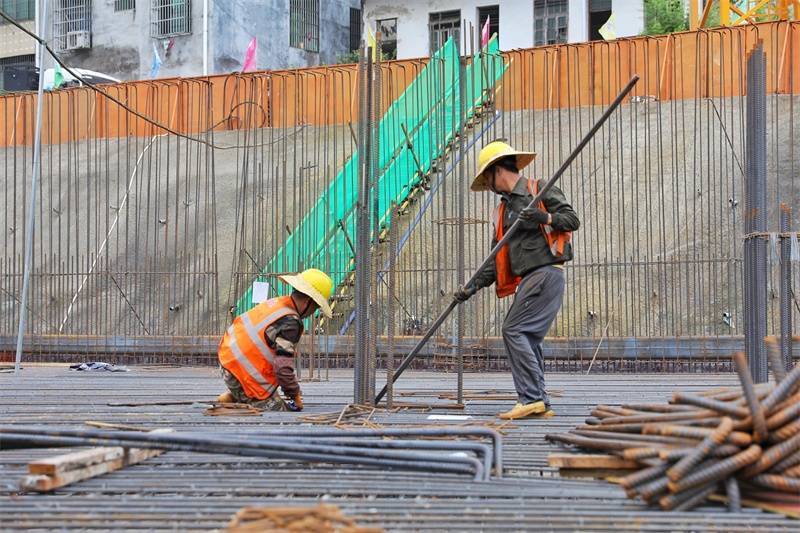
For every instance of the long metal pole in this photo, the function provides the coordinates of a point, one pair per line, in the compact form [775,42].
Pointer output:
[550,183]
[35,172]
[205,37]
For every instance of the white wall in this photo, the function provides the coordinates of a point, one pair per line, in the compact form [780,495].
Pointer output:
[629,17]
[516,20]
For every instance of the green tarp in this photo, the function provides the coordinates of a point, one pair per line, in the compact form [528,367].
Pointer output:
[429,111]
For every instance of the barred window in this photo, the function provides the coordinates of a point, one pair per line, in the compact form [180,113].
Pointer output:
[493,14]
[550,21]
[442,26]
[170,17]
[124,5]
[388,29]
[19,9]
[72,24]
[18,73]
[355,28]
[304,24]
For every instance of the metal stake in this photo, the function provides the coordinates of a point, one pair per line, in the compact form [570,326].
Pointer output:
[30,224]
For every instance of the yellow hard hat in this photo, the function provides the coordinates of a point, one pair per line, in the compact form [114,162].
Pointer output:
[315,284]
[493,152]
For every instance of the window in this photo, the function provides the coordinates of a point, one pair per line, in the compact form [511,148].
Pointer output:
[442,26]
[388,29]
[549,22]
[124,5]
[170,17]
[493,14]
[304,24]
[18,73]
[72,24]
[599,12]
[19,9]
[355,29]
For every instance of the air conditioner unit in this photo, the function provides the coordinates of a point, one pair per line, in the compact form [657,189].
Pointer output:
[77,40]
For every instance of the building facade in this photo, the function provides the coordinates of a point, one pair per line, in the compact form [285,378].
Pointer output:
[414,27]
[192,37]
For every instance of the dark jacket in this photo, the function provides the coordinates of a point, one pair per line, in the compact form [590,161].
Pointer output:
[528,248]
[283,336]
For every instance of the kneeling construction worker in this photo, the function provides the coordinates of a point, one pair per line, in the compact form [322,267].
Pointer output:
[257,352]
[530,266]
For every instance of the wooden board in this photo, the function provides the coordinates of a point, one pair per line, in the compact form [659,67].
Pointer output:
[60,464]
[122,458]
[590,461]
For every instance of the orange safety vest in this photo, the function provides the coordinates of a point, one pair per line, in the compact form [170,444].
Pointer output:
[506,283]
[244,351]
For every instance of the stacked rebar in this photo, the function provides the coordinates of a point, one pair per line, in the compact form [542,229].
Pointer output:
[737,442]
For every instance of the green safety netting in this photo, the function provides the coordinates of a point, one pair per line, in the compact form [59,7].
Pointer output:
[429,111]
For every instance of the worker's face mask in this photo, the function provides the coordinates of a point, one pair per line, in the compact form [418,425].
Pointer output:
[309,307]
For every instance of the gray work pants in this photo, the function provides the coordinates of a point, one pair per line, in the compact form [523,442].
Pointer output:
[536,304]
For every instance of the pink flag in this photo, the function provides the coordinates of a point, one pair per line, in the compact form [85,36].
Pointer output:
[250,56]
[485,33]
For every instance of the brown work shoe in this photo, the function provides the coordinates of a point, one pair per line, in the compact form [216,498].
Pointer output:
[226,397]
[523,411]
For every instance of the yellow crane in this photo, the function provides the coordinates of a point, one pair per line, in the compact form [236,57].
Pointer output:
[749,11]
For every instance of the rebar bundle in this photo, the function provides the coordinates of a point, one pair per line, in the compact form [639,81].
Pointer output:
[738,443]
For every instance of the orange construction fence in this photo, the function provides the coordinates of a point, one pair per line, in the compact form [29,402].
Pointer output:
[703,63]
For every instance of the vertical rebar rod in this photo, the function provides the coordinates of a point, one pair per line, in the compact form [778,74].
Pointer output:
[374,121]
[461,191]
[756,217]
[30,224]
[363,233]
[390,308]
[786,288]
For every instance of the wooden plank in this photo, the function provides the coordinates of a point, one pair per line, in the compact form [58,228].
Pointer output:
[590,461]
[46,483]
[60,464]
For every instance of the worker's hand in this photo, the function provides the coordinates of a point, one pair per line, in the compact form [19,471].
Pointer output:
[534,214]
[464,293]
[298,401]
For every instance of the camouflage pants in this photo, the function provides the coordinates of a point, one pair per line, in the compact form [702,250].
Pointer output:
[273,403]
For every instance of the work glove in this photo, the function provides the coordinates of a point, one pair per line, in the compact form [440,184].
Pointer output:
[534,214]
[464,293]
[298,401]
[292,406]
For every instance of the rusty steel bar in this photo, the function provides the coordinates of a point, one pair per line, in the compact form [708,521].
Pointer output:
[756,409]
[717,437]
[718,470]
[734,495]
[710,403]
[772,456]
[739,438]
[643,476]
[782,390]
[695,498]
[514,227]
[777,482]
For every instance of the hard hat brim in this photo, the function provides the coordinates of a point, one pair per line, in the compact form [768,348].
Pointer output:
[481,183]
[301,285]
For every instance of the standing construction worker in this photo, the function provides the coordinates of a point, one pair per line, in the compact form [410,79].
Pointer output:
[257,351]
[530,266]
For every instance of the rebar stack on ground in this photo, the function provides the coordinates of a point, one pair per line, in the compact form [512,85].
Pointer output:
[740,443]
[415,452]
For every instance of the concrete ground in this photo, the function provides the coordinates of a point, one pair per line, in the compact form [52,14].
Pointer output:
[186,491]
